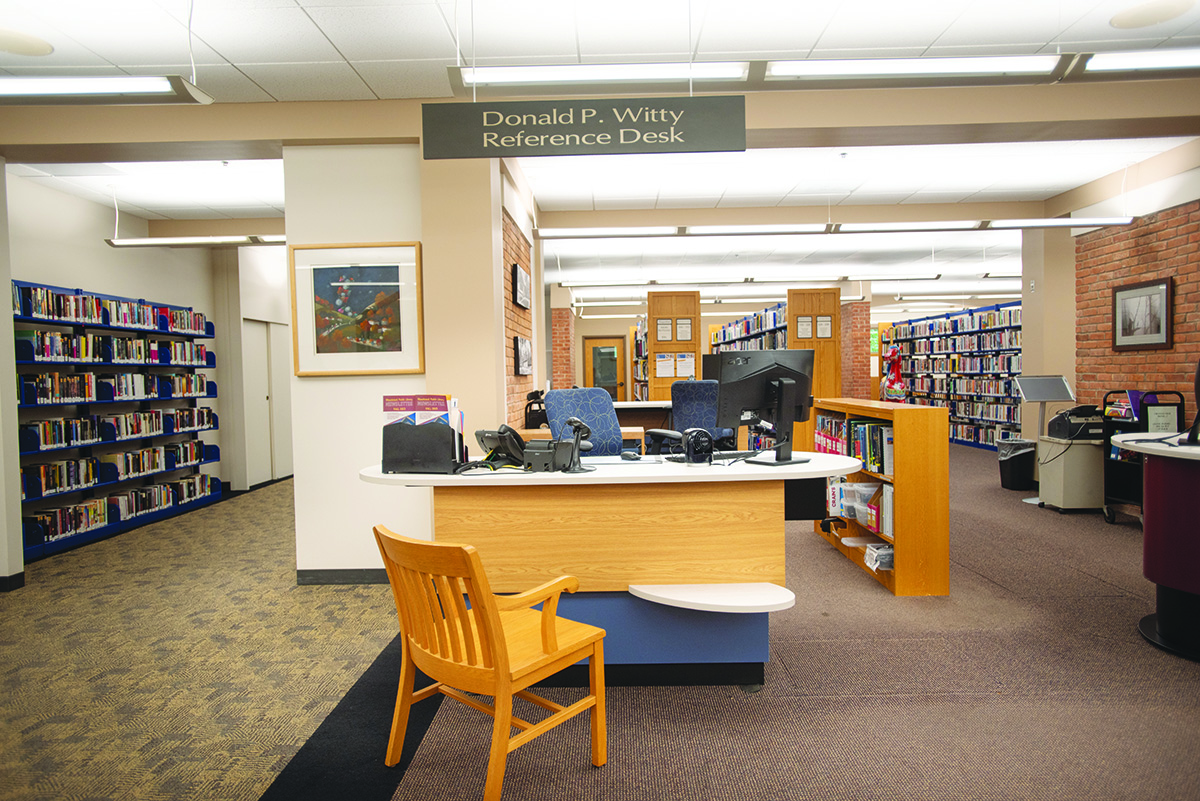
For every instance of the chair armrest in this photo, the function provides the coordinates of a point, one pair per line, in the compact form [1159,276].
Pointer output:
[655,437]
[549,593]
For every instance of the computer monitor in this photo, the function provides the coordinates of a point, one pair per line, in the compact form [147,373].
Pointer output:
[774,385]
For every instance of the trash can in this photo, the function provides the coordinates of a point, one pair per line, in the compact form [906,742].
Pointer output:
[1017,459]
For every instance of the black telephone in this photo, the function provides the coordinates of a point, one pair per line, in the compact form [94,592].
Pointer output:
[504,446]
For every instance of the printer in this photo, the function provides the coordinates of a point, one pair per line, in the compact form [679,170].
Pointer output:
[1081,422]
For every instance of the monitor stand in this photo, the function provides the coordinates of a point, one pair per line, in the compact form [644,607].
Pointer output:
[785,415]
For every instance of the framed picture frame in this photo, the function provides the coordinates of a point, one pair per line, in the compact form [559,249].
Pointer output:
[357,309]
[522,356]
[1141,316]
[521,287]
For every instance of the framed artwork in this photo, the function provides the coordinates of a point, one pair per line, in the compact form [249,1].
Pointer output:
[1141,318]
[356,309]
[523,356]
[521,287]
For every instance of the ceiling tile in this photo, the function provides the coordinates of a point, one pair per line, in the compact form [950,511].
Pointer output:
[400,79]
[386,33]
[773,29]
[291,82]
[634,28]
[263,35]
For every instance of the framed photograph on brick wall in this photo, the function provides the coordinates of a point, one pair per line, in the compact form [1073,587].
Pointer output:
[1141,318]
[521,287]
[522,356]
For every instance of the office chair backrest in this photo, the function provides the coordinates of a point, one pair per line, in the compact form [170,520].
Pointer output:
[593,406]
[447,613]
[694,405]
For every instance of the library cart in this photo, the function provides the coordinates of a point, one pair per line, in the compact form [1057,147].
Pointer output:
[1127,412]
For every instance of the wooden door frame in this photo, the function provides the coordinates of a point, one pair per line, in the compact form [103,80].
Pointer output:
[622,381]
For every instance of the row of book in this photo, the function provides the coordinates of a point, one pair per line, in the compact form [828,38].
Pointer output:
[95,513]
[989,412]
[59,346]
[47,303]
[1000,388]
[769,340]
[60,388]
[981,435]
[869,504]
[66,475]
[977,320]
[69,475]
[73,432]
[757,323]
[869,441]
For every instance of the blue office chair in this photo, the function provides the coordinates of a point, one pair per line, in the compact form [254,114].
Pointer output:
[693,405]
[594,407]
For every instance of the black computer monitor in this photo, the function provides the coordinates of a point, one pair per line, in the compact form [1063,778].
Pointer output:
[773,385]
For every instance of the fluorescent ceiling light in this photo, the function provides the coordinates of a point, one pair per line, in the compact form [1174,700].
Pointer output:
[607,73]
[733,230]
[1011,296]
[270,239]
[577,233]
[926,276]
[1129,61]
[1062,222]
[911,67]
[886,227]
[178,241]
[99,90]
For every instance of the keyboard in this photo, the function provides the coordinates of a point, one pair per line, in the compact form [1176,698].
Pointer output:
[719,456]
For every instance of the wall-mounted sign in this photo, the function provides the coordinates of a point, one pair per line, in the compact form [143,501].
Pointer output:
[824,327]
[583,127]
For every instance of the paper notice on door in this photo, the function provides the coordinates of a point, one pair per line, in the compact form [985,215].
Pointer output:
[663,329]
[683,329]
[804,328]
[824,327]
[664,365]
[685,365]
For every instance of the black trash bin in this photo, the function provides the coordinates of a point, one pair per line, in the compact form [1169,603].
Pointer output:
[1017,459]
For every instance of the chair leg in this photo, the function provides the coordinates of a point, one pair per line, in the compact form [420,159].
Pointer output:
[501,731]
[596,685]
[404,701]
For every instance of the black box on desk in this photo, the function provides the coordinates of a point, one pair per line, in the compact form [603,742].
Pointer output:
[428,448]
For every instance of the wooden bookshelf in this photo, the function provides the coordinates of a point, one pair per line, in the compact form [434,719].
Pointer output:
[108,414]
[680,313]
[814,322]
[921,505]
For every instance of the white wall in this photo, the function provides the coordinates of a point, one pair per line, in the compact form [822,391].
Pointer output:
[12,560]
[342,194]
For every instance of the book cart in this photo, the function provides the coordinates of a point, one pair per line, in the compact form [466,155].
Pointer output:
[109,414]
[1133,411]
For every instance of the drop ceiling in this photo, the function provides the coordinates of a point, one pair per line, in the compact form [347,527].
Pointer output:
[300,50]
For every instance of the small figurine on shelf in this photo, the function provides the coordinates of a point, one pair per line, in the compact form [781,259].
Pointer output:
[891,388]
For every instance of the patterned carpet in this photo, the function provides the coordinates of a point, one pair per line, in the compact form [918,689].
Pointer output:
[179,660]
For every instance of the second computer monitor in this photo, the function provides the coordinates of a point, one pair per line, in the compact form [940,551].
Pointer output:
[775,385]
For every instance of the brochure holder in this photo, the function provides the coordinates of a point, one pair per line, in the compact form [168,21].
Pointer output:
[428,448]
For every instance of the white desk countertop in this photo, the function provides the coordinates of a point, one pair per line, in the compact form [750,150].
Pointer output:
[659,404]
[614,470]
[1130,442]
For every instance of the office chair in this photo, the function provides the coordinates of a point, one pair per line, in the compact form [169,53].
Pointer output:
[693,405]
[468,640]
[594,407]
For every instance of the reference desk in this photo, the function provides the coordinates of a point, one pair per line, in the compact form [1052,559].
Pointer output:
[646,522]
[1170,540]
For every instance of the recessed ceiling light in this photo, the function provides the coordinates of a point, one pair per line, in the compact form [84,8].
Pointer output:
[606,73]
[889,227]
[911,67]
[732,230]
[1062,222]
[99,90]
[177,241]
[23,44]
[1165,59]
[579,233]
[1144,15]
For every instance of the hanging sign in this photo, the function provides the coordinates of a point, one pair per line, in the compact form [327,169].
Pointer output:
[583,127]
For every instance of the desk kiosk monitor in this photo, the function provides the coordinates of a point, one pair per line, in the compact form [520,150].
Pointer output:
[1039,388]
[774,385]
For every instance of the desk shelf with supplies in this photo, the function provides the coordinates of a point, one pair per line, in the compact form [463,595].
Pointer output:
[1129,412]
[918,482]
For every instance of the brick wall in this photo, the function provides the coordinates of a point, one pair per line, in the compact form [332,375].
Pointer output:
[856,351]
[517,322]
[1154,247]
[562,347]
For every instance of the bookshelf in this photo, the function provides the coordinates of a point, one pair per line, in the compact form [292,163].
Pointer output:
[919,481]
[109,414]
[764,330]
[639,370]
[966,362]
[673,338]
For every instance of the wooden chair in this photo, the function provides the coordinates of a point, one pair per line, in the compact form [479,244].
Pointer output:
[467,639]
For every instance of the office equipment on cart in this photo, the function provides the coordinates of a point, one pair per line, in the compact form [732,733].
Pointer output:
[1080,422]
[1152,412]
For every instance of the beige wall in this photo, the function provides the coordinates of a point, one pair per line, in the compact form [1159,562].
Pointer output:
[12,560]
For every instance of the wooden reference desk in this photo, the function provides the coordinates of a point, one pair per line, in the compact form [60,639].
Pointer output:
[647,522]
[630,435]
[1171,541]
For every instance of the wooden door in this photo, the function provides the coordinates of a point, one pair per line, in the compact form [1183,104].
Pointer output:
[604,364]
